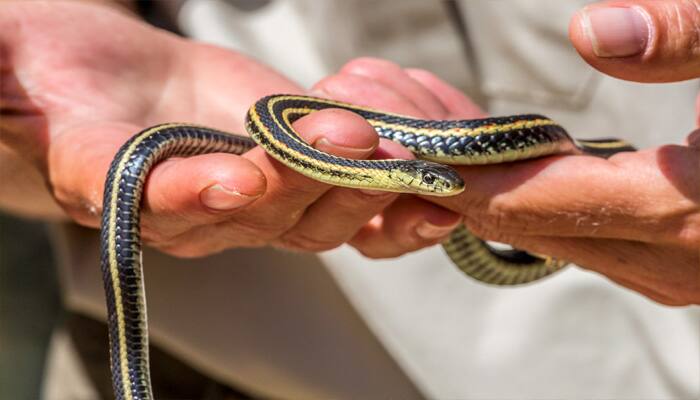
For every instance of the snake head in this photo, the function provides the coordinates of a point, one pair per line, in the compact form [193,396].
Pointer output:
[429,178]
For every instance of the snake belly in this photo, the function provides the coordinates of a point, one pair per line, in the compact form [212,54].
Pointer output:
[269,124]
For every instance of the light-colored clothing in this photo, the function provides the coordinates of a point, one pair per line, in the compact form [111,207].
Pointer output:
[275,324]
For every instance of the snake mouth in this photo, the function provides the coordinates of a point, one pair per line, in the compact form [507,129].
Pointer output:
[432,179]
[447,192]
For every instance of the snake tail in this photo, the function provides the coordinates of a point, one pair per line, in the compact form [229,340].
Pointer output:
[121,243]
[494,266]
[506,267]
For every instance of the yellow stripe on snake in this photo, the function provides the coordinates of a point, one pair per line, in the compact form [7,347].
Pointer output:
[269,124]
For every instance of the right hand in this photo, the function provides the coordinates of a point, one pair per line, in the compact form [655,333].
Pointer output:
[78,80]
[636,222]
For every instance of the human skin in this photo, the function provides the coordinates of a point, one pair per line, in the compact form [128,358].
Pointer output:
[79,79]
[635,217]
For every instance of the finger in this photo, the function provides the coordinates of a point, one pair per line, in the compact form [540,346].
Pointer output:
[77,189]
[334,219]
[323,225]
[693,139]
[367,92]
[457,103]
[289,193]
[646,291]
[394,77]
[337,216]
[639,266]
[182,193]
[649,196]
[406,225]
[179,193]
[640,40]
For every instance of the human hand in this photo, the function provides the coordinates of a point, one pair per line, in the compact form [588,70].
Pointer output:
[634,217]
[78,80]
[655,42]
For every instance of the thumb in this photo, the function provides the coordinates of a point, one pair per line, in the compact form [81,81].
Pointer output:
[640,40]
[180,193]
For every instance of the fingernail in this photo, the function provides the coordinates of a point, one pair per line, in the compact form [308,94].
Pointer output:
[426,230]
[220,198]
[616,31]
[326,146]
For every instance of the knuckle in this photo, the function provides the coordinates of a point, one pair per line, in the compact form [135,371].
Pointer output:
[497,219]
[485,230]
[414,241]
[258,231]
[689,233]
[368,203]
[689,13]
[502,209]
[513,215]
[259,226]
[368,65]
[491,222]
[295,191]
[330,83]
[682,36]
[340,84]
[423,73]
[85,211]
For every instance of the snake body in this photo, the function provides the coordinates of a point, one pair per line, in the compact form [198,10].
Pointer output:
[269,124]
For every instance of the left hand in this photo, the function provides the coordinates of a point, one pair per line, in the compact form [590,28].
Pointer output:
[634,217]
[103,87]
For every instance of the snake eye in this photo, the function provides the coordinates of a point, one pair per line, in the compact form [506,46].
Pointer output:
[428,179]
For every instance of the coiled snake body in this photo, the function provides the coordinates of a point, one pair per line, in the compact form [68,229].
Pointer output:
[481,141]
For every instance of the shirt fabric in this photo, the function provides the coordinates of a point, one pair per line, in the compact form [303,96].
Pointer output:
[276,324]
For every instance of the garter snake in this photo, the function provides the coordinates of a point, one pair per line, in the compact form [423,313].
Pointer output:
[268,122]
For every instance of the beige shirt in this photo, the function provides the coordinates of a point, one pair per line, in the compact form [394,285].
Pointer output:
[278,325]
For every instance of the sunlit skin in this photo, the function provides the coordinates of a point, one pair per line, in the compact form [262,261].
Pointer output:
[93,76]
[78,80]
[634,218]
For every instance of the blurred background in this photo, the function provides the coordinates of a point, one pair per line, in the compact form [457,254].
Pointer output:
[568,90]
[29,305]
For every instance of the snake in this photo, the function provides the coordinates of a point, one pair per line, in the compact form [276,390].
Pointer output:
[269,125]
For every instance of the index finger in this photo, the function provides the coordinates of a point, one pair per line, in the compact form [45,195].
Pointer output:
[650,195]
[289,193]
